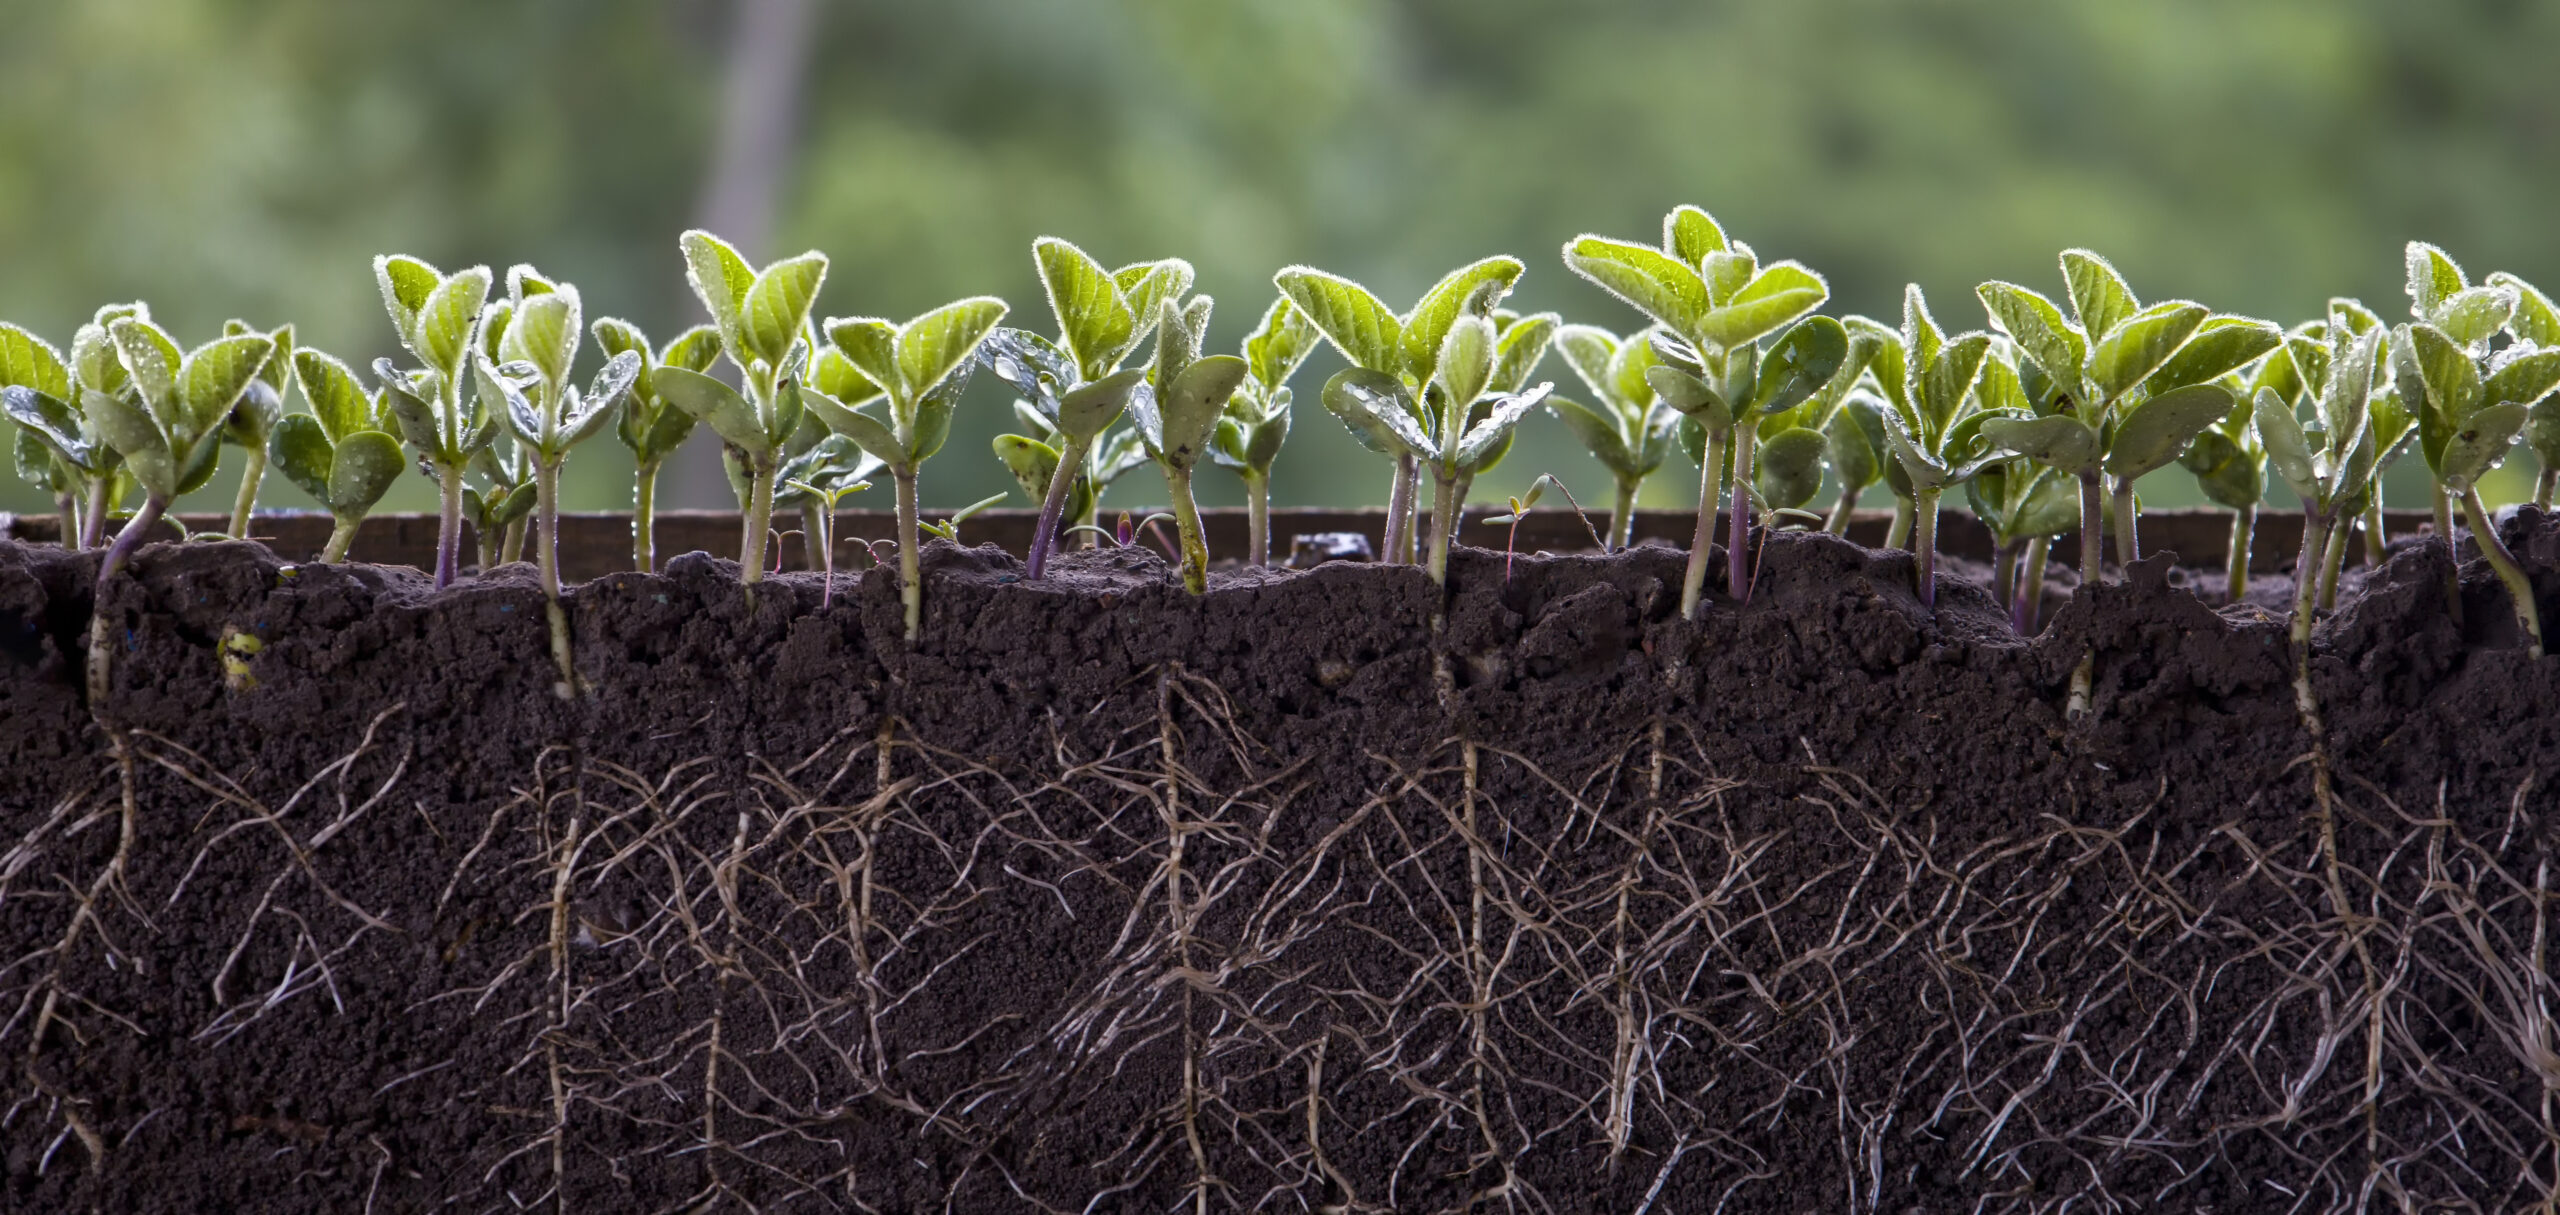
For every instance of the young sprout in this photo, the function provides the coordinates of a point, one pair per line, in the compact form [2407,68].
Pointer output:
[1767,388]
[1628,429]
[1248,438]
[1520,504]
[1462,422]
[1403,348]
[437,317]
[1947,390]
[2470,403]
[2536,323]
[762,317]
[2024,506]
[254,418]
[1074,389]
[920,368]
[823,475]
[650,426]
[548,416]
[342,452]
[2230,464]
[2329,465]
[501,505]
[58,448]
[1854,440]
[1177,412]
[1716,299]
[168,418]
[2119,390]
[949,528]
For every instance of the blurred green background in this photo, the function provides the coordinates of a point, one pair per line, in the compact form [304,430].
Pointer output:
[248,157]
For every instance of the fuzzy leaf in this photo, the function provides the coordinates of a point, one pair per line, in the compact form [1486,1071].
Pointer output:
[867,432]
[1727,272]
[337,401]
[777,306]
[2099,297]
[2534,319]
[1279,343]
[1362,328]
[1774,297]
[720,278]
[1489,436]
[1798,365]
[26,361]
[409,411]
[1517,352]
[1655,283]
[445,321]
[1147,285]
[1094,319]
[1262,440]
[301,450]
[214,375]
[2158,429]
[406,283]
[715,405]
[365,465]
[2040,331]
[544,332]
[1190,407]
[936,344]
[150,363]
[2433,279]
[2452,380]
[1473,289]
[1691,396]
[2058,440]
[1466,359]
[1789,471]
[51,420]
[1924,469]
[870,344]
[1690,234]
[2479,444]
[1089,409]
[2542,430]
[1590,351]
[2524,378]
[2473,315]
[1854,438]
[1949,378]
[1598,434]
[1378,410]
[2221,345]
[2140,344]
[2288,449]
[1034,464]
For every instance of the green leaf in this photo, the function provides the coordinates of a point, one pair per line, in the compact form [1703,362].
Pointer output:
[1147,285]
[836,376]
[51,420]
[151,363]
[2058,441]
[936,344]
[1855,438]
[583,414]
[1190,407]
[1262,441]
[1279,343]
[2221,345]
[411,413]
[2040,331]
[1655,283]
[2479,444]
[28,362]
[1034,464]
[1465,359]
[1378,410]
[1489,436]
[1691,396]
[445,322]
[716,405]
[867,432]
[2099,297]
[406,283]
[2343,408]
[2534,319]
[1518,350]
[1094,319]
[2525,378]
[1362,328]
[214,375]
[1598,434]
[337,401]
[1089,409]
[2288,449]
[2433,278]
[777,306]
[2542,430]
[123,425]
[1924,469]
[1798,365]
[870,344]
[1472,289]
[720,278]
[1690,234]
[1789,471]
[2452,380]
[1727,272]
[544,332]
[1590,351]
[1774,297]
[365,465]
[2140,344]
[614,335]
[2475,314]
[2158,429]
[695,349]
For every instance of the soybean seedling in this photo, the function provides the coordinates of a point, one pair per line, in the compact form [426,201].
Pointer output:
[2470,403]
[58,448]
[1256,422]
[1519,505]
[2024,505]
[1627,428]
[500,506]
[2537,322]
[2119,390]
[1717,300]
[1946,391]
[762,317]
[253,419]
[1403,348]
[168,419]
[341,452]
[1177,411]
[920,369]
[2330,465]
[651,427]
[1854,441]
[1074,389]
[823,475]
[1462,423]
[2230,464]
[437,316]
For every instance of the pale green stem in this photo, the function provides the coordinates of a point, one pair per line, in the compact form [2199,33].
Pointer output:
[247,503]
[1897,534]
[2030,601]
[546,542]
[910,561]
[1924,542]
[2004,572]
[2340,536]
[513,551]
[449,523]
[2093,532]
[1444,523]
[812,536]
[487,541]
[644,519]
[93,520]
[1694,579]
[1838,523]
[1622,516]
[2374,537]
[2484,533]
[342,534]
[2452,565]
[759,520]
[1044,536]
[67,506]
[2128,544]
[2244,527]
[1257,504]
[2543,483]
[1186,520]
[1391,546]
[101,654]
[1737,525]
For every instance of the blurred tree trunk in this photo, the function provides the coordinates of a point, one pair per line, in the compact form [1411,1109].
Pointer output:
[750,158]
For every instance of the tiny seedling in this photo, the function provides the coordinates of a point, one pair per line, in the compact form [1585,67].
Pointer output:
[1520,504]
[2230,464]
[1177,412]
[2471,403]
[58,448]
[822,476]
[762,317]
[919,369]
[500,506]
[1248,438]
[437,316]
[253,419]
[1716,301]
[949,528]
[1628,428]
[1855,442]
[1074,389]
[1769,387]
[651,427]
[1945,392]
[2024,505]
[168,418]
[341,452]
[1124,532]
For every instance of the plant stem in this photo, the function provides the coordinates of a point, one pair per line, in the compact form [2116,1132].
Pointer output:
[1044,536]
[644,519]
[67,506]
[1186,520]
[512,550]
[341,534]
[1838,523]
[2004,572]
[2484,532]
[247,502]
[2315,542]
[546,556]
[1622,516]
[1897,534]
[1257,505]
[2374,537]
[2543,483]
[101,655]
[2128,545]
[93,519]
[1694,579]
[825,520]
[811,536]
[1924,541]
[910,562]
[2244,527]
[448,523]
[2030,598]
[2092,530]
[129,537]
[1737,526]
[759,520]
[1444,523]
[2340,535]
[2452,564]
[1399,511]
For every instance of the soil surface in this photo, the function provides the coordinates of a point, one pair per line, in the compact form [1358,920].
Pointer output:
[1325,890]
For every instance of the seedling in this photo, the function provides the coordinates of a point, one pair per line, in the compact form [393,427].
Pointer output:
[2537,322]
[1123,533]
[1716,300]
[762,317]
[2329,465]
[1177,412]
[1945,392]
[437,316]
[1520,504]
[168,418]
[2024,506]
[1404,348]
[1074,389]
[341,452]
[501,506]
[920,368]
[651,427]
[253,419]
[2230,464]
[822,476]
[1248,438]
[2119,390]
[1768,387]
[57,447]
[1854,440]
[2470,403]
[1628,428]
[949,528]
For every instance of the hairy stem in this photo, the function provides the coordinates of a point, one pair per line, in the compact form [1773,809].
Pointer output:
[2029,604]
[759,520]
[1444,522]
[2543,483]
[2315,544]
[448,522]
[644,519]
[341,535]
[247,502]
[66,505]
[1694,579]
[511,550]
[2244,527]
[2452,565]
[93,520]
[1622,516]
[1924,542]
[546,556]
[1257,517]
[1897,534]
[910,562]
[2128,543]
[2335,559]
[2092,530]
[1186,520]
[810,529]
[2004,572]
[1838,523]
[1044,535]
[824,519]
[2376,536]
[2484,532]
[1391,545]
[1737,525]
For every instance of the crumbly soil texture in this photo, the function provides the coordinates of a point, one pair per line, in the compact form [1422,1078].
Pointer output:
[1327,890]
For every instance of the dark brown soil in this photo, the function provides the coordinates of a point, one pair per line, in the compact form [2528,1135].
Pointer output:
[1282,898]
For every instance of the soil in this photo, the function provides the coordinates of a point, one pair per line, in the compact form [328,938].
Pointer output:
[1298,895]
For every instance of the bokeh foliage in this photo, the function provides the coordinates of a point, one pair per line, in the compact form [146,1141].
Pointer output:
[248,157]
